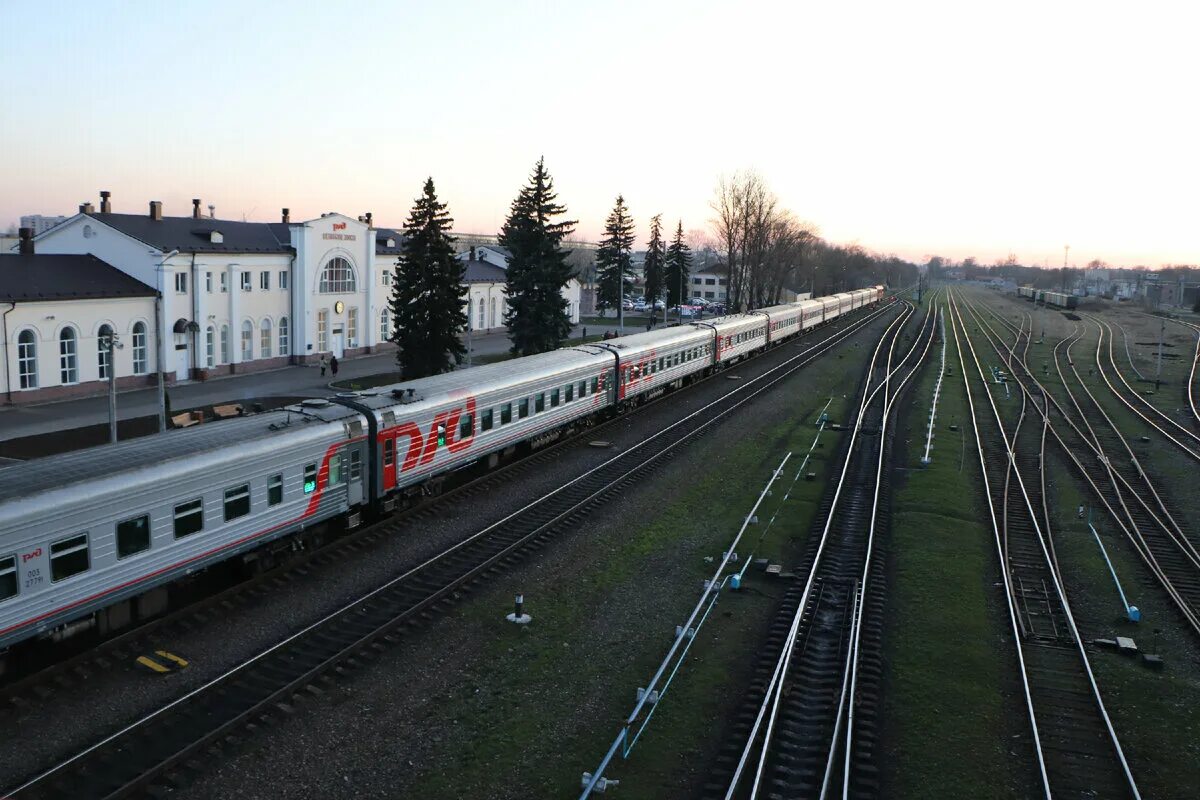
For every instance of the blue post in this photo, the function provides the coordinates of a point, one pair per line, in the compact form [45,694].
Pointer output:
[1130,611]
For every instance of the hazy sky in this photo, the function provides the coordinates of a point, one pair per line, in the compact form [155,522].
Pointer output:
[957,128]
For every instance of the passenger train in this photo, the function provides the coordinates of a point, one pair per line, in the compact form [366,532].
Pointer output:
[91,539]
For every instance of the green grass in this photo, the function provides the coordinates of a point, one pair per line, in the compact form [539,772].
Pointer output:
[944,699]
[556,696]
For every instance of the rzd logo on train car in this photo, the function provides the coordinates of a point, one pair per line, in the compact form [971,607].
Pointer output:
[445,429]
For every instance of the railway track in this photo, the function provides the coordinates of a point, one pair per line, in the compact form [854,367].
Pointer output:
[1076,747]
[1163,549]
[808,724]
[140,754]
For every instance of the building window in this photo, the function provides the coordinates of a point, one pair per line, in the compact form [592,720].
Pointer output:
[492,312]
[264,281]
[352,326]
[104,350]
[237,502]
[283,278]
[480,326]
[208,283]
[698,281]
[68,557]
[133,536]
[386,277]
[264,339]
[224,282]
[139,348]
[283,336]
[247,340]
[181,282]
[337,277]
[245,281]
[210,346]
[385,326]
[323,330]
[189,518]
[27,359]
[224,344]
[67,366]
[275,490]
[8,577]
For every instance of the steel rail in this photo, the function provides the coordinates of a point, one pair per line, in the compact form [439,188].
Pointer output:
[1062,596]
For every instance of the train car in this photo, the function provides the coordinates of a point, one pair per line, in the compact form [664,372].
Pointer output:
[651,362]
[812,313]
[431,426]
[785,321]
[1026,292]
[831,307]
[737,335]
[89,538]
[1039,295]
[1061,300]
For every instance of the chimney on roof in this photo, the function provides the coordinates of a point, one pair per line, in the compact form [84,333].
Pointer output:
[196,208]
[368,219]
[472,256]
[156,209]
[287,215]
[86,208]
[105,206]
[26,245]
[212,211]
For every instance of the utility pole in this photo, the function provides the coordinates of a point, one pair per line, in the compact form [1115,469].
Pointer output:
[1066,250]
[470,308]
[1162,327]
[111,345]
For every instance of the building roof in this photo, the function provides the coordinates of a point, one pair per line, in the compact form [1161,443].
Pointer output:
[48,276]
[382,235]
[194,235]
[483,272]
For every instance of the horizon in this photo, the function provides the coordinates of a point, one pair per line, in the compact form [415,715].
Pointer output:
[942,134]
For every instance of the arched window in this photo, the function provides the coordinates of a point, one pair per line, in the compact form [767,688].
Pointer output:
[247,340]
[283,337]
[482,309]
[264,339]
[224,344]
[27,359]
[139,348]
[493,312]
[210,354]
[104,350]
[385,325]
[337,277]
[68,366]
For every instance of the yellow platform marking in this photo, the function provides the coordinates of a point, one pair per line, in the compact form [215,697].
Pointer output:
[181,663]
[153,665]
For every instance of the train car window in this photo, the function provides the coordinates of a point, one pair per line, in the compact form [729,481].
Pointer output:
[595,385]
[237,502]
[554,397]
[275,490]
[506,413]
[389,452]
[310,478]
[523,408]
[335,469]
[68,557]
[570,390]
[355,465]
[133,536]
[189,518]
[466,428]
[582,389]
[485,420]
[539,403]
[8,577]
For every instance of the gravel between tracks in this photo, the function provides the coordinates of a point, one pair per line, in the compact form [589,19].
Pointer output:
[90,704]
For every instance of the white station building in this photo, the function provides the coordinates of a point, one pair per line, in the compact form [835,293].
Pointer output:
[235,297]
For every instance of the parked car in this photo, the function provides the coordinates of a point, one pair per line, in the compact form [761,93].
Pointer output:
[660,305]
[627,305]
[639,305]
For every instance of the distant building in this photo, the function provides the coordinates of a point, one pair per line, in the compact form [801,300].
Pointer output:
[487,282]
[709,286]
[39,223]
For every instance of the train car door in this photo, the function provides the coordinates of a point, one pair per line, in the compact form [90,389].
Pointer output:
[355,496]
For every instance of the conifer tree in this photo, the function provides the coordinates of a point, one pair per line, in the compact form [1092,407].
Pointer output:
[678,268]
[536,316]
[614,265]
[428,295]
[655,258]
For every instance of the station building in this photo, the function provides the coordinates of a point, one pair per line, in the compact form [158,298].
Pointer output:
[223,296]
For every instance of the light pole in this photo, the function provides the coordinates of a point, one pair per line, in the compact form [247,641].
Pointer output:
[111,344]
[470,308]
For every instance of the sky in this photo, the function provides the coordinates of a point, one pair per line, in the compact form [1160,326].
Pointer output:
[918,128]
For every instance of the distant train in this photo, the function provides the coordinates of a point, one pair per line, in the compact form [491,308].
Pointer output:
[90,539]
[1059,299]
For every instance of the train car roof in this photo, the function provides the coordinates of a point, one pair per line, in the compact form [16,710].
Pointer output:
[675,334]
[54,472]
[458,383]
